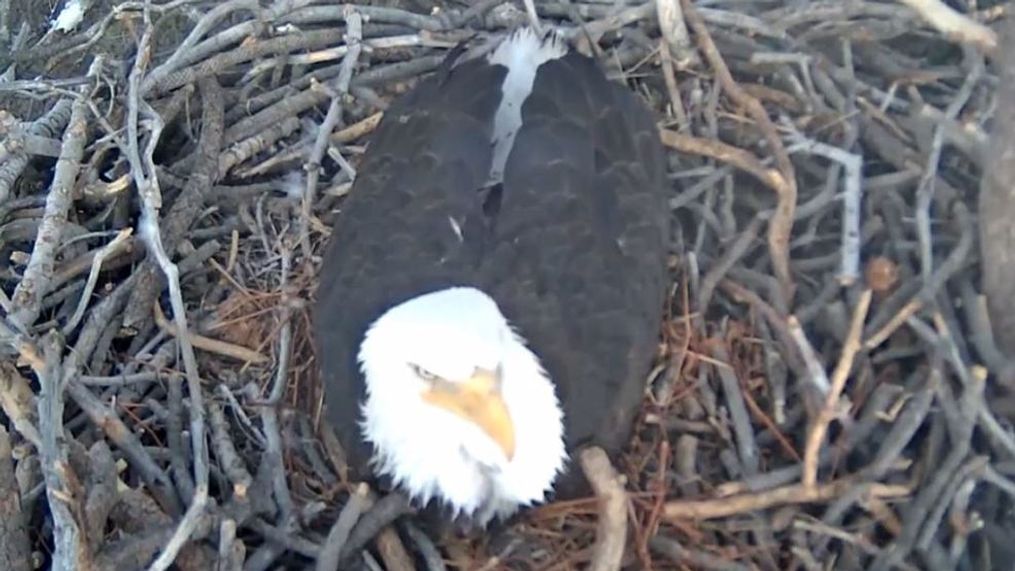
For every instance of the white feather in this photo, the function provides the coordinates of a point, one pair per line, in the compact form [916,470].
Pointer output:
[294,185]
[433,454]
[522,53]
[70,16]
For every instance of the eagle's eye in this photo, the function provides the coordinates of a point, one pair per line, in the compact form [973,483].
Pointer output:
[423,373]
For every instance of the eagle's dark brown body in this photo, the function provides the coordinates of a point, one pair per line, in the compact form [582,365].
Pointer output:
[572,245]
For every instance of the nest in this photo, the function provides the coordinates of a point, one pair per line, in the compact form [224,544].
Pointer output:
[829,390]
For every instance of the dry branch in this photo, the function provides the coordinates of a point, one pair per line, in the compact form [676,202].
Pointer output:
[63,488]
[327,560]
[781,225]
[187,205]
[840,375]
[13,164]
[954,25]
[37,278]
[19,403]
[997,203]
[15,548]
[230,350]
[720,151]
[354,38]
[786,495]
[611,532]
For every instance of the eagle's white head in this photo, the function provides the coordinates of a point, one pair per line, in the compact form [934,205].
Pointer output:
[458,408]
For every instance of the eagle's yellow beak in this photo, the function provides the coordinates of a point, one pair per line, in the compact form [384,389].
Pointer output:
[478,400]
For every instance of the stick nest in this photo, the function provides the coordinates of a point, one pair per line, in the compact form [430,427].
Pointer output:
[829,391]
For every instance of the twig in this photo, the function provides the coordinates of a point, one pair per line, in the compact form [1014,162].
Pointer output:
[273,461]
[611,531]
[385,511]
[246,148]
[925,192]
[733,254]
[37,278]
[102,491]
[184,52]
[184,210]
[208,344]
[747,445]
[291,105]
[787,495]
[918,510]
[699,559]
[392,552]
[232,464]
[16,139]
[954,25]
[353,38]
[5,26]
[670,79]
[815,370]
[111,249]
[306,39]
[905,426]
[427,550]
[231,550]
[327,559]
[997,203]
[101,415]
[174,437]
[19,403]
[70,545]
[144,175]
[192,519]
[15,548]
[781,225]
[852,199]
[14,163]
[306,14]
[830,410]
[956,259]
[674,30]
[729,154]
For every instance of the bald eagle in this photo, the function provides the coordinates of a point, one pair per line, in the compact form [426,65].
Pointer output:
[490,298]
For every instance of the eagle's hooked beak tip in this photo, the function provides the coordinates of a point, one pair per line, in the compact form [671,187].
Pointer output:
[479,399]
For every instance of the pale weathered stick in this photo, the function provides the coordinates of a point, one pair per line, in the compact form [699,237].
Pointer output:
[852,198]
[144,174]
[18,402]
[674,30]
[38,275]
[786,495]
[216,346]
[611,532]
[117,244]
[954,25]
[70,545]
[850,348]
[353,38]
[818,376]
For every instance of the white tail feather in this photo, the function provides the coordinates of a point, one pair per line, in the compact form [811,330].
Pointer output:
[521,53]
